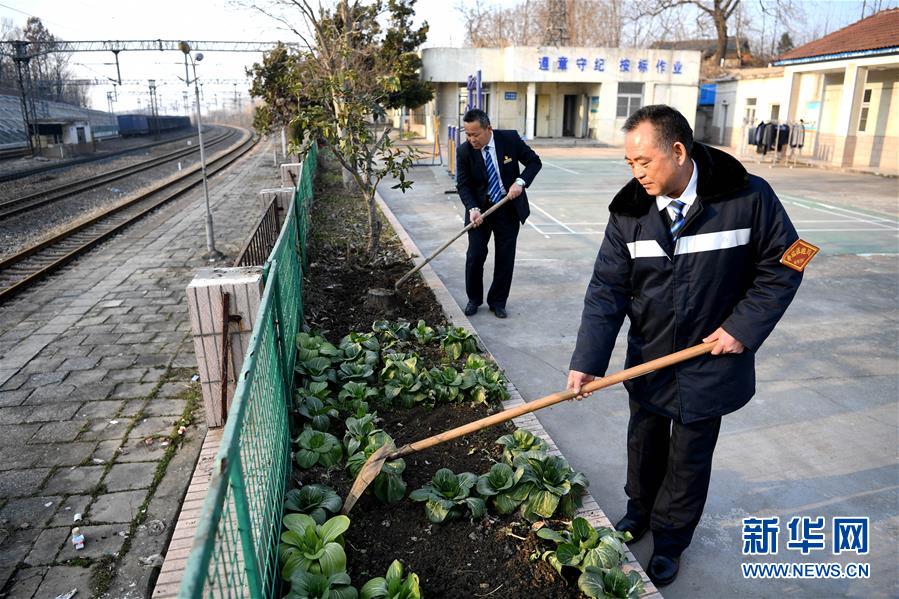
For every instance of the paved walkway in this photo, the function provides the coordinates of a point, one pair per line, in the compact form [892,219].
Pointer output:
[819,438]
[95,371]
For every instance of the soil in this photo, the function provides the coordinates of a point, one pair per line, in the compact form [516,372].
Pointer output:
[459,559]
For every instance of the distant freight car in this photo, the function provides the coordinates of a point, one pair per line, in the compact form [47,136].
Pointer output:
[141,124]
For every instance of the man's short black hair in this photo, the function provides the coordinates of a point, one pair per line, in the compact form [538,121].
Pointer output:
[476,114]
[670,126]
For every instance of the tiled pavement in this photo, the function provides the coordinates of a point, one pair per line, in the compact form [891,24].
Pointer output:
[95,368]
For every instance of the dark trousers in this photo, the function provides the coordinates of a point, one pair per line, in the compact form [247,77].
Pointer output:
[503,225]
[669,465]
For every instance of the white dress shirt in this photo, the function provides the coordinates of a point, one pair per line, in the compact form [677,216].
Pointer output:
[687,197]
[489,152]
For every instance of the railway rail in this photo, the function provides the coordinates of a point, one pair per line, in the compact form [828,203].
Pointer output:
[25,268]
[28,172]
[36,199]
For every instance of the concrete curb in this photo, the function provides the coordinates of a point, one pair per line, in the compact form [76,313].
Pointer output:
[590,510]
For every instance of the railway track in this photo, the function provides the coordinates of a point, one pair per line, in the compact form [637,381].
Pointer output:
[30,201]
[28,172]
[29,266]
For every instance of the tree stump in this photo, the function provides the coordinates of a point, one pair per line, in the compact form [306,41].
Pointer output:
[381,300]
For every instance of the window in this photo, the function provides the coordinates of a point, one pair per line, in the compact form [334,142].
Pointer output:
[630,98]
[866,105]
[775,112]
[749,117]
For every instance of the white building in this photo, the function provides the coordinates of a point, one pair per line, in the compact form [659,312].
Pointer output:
[844,87]
[560,92]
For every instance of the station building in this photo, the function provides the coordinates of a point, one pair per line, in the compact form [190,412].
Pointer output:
[558,92]
[843,88]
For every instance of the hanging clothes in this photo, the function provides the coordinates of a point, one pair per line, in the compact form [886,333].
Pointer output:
[783,136]
[770,137]
[797,135]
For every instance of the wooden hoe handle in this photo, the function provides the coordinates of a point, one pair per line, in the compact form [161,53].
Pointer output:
[490,211]
[543,402]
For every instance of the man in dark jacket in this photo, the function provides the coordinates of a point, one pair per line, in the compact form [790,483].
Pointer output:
[691,254]
[487,169]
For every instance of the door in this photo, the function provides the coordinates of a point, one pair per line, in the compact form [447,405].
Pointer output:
[541,115]
[82,138]
[569,115]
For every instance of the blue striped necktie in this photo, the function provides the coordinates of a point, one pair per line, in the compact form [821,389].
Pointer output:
[677,222]
[493,187]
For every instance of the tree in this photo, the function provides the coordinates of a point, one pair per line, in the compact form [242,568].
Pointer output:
[785,44]
[399,56]
[274,81]
[341,79]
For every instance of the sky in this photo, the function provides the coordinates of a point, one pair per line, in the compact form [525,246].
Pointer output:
[231,20]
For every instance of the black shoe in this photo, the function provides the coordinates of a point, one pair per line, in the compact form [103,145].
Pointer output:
[637,529]
[470,309]
[500,312]
[662,569]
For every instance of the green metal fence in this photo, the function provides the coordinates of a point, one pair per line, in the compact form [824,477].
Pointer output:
[235,549]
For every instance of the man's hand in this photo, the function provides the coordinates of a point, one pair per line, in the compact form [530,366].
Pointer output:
[476,219]
[576,380]
[726,344]
[515,191]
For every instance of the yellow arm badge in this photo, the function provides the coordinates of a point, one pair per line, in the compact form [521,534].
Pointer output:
[799,255]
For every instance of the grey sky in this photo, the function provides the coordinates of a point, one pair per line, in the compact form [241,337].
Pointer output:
[231,20]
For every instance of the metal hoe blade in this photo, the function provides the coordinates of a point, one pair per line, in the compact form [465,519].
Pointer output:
[370,470]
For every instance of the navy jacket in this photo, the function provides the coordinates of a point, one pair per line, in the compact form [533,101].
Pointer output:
[725,271]
[471,173]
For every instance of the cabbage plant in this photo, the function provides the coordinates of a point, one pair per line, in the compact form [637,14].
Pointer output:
[391,333]
[404,382]
[313,346]
[448,496]
[457,341]
[317,413]
[554,487]
[446,384]
[310,547]
[500,486]
[484,384]
[316,501]
[361,347]
[393,586]
[355,372]
[353,394]
[388,486]
[601,583]
[358,430]
[306,585]
[317,369]
[423,334]
[580,545]
[317,447]
[519,442]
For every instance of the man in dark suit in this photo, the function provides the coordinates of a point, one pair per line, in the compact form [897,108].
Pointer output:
[487,170]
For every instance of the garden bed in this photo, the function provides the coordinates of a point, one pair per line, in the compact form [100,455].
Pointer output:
[491,556]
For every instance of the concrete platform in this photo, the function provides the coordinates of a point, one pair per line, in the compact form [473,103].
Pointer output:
[819,438]
[95,373]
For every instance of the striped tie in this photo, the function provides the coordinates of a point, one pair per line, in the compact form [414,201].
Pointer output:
[677,222]
[493,186]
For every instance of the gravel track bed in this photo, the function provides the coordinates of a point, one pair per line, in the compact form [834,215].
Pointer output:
[23,230]
[50,179]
